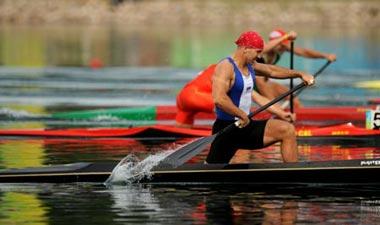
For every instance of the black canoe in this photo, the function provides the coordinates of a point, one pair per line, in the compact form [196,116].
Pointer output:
[363,171]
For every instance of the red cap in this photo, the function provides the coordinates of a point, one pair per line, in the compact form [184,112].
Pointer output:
[250,39]
[277,33]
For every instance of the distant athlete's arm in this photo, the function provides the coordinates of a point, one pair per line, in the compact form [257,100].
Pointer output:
[264,88]
[275,42]
[313,54]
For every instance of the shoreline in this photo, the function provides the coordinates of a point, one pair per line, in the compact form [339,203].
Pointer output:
[319,13]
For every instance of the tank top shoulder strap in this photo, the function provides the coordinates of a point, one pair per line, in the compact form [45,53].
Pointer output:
[250,69]
[236,69]
[252,72]
[232,62]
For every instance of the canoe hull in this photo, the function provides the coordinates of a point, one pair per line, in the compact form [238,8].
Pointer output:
[353,172]
[328,176]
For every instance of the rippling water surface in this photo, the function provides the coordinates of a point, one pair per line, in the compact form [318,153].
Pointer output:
[211,204]
[52,75]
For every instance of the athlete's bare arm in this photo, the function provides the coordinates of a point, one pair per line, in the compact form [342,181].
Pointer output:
[313,54]
[281,72]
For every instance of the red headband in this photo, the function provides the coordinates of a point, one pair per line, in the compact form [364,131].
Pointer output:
[250,39]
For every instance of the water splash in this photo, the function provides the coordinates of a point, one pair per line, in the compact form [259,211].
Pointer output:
[110,118]
[131,170]
[106,118]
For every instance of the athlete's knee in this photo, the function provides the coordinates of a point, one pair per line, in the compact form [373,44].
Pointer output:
[291,130]
[287,129]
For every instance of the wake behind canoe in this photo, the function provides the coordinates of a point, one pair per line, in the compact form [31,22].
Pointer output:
[359,172]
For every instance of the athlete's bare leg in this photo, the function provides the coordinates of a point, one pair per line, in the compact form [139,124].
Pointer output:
[283,132]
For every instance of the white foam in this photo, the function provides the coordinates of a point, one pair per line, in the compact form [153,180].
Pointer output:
[101,118]
[131,170]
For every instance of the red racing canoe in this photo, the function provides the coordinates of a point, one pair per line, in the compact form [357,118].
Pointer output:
[374,101]
[342,130]
[159,113]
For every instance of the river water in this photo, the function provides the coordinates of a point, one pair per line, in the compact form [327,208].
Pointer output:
[48,69]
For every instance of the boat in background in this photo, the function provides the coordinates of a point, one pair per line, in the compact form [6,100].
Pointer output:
[371,84]
[159,113]
[374,101]
[342,130]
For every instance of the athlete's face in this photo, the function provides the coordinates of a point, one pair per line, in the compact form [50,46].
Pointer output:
[252,53]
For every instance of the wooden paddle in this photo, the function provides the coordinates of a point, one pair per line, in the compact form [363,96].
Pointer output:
[188,151]
[287,102]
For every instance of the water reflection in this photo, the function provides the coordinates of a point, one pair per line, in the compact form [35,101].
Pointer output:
[18,153]
[215,204]
[252,204]
[309,152]
[156,46]
[30,152]
[22,208]
[55,204]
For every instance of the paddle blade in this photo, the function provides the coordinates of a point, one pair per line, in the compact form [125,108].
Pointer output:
[185,153]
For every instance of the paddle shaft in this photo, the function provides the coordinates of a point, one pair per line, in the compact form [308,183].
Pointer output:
[291,80]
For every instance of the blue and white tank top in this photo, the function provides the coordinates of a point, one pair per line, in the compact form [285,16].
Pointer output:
[240,93]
